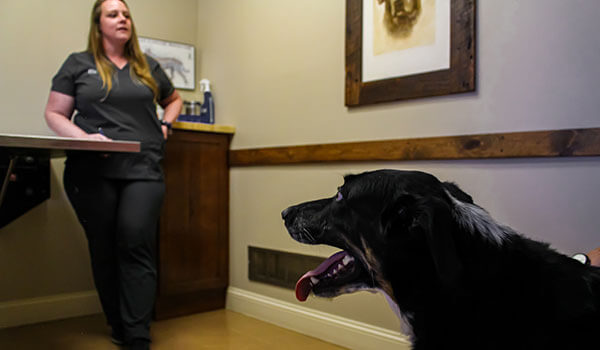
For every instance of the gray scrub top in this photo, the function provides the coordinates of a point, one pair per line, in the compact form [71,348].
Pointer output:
[127,113]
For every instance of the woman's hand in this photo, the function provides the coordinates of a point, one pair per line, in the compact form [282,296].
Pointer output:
[594,256]
[165,131]
[172,106]
[96,137]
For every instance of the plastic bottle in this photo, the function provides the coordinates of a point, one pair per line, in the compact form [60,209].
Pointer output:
[207,112]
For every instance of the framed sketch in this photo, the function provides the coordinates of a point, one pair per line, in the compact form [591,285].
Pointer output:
[176,59]
[406,49]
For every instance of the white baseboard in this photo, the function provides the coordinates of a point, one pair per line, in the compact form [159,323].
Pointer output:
[331,328]
[54,307]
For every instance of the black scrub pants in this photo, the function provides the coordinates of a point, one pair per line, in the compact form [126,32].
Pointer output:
[120,221]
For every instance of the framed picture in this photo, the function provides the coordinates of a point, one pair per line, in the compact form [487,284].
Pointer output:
[176,59]
[406,49]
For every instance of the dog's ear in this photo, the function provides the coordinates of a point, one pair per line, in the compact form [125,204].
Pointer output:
[457,193]
[436,222]
[398,216]
[429,217]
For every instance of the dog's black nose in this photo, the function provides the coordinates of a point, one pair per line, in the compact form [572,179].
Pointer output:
[285,213]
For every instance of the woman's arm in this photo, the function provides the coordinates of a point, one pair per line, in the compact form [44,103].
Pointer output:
[58,111]
[172,106]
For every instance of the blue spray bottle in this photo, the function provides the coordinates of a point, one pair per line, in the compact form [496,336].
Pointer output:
[207,111]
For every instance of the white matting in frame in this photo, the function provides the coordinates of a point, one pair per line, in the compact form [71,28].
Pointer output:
[176,59]
[384,57]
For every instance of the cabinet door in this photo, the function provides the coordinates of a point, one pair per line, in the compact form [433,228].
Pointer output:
[193,239]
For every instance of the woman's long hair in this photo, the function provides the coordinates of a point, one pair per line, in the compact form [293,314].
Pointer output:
[140,71]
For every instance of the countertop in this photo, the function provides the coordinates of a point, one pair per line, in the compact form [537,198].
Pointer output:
[222,129]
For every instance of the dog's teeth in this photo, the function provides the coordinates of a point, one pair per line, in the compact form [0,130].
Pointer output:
[347,259]
[314,280]
[334,271]
[340,266]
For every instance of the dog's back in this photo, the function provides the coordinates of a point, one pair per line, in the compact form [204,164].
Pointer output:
[525,296]
[510,292]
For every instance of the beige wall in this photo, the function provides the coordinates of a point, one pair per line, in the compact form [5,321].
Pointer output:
[278,73]
[44,252]
[277,69]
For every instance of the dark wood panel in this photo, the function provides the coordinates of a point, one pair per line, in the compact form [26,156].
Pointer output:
[194,225]
[550,143]
[189,303]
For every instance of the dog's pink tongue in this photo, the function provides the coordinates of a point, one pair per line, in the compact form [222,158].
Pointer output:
[304,285]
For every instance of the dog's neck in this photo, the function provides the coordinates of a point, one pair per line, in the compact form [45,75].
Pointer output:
[478,221]
[405,318]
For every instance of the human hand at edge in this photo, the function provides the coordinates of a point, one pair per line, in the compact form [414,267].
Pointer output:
[97,137]
[594,256]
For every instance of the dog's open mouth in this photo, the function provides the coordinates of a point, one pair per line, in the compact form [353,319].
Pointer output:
[333,277]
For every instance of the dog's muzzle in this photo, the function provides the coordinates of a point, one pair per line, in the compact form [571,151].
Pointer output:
[305,221]
[297,226]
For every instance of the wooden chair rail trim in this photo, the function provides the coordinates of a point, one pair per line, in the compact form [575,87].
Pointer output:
[549,143]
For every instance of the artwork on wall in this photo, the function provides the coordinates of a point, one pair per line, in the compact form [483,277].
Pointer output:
[405,49]
[176,59]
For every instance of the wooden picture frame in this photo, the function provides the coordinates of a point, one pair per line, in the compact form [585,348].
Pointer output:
[460,77]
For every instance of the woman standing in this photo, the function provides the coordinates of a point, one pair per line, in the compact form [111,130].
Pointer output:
[113,87]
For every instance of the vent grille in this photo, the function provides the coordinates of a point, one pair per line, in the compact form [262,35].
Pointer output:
[279,268]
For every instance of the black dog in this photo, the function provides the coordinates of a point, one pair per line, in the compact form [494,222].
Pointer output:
[459,279]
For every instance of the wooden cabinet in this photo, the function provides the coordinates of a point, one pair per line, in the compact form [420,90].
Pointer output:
[193,239]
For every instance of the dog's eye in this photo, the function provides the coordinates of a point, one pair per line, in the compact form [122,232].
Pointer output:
[339,197]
